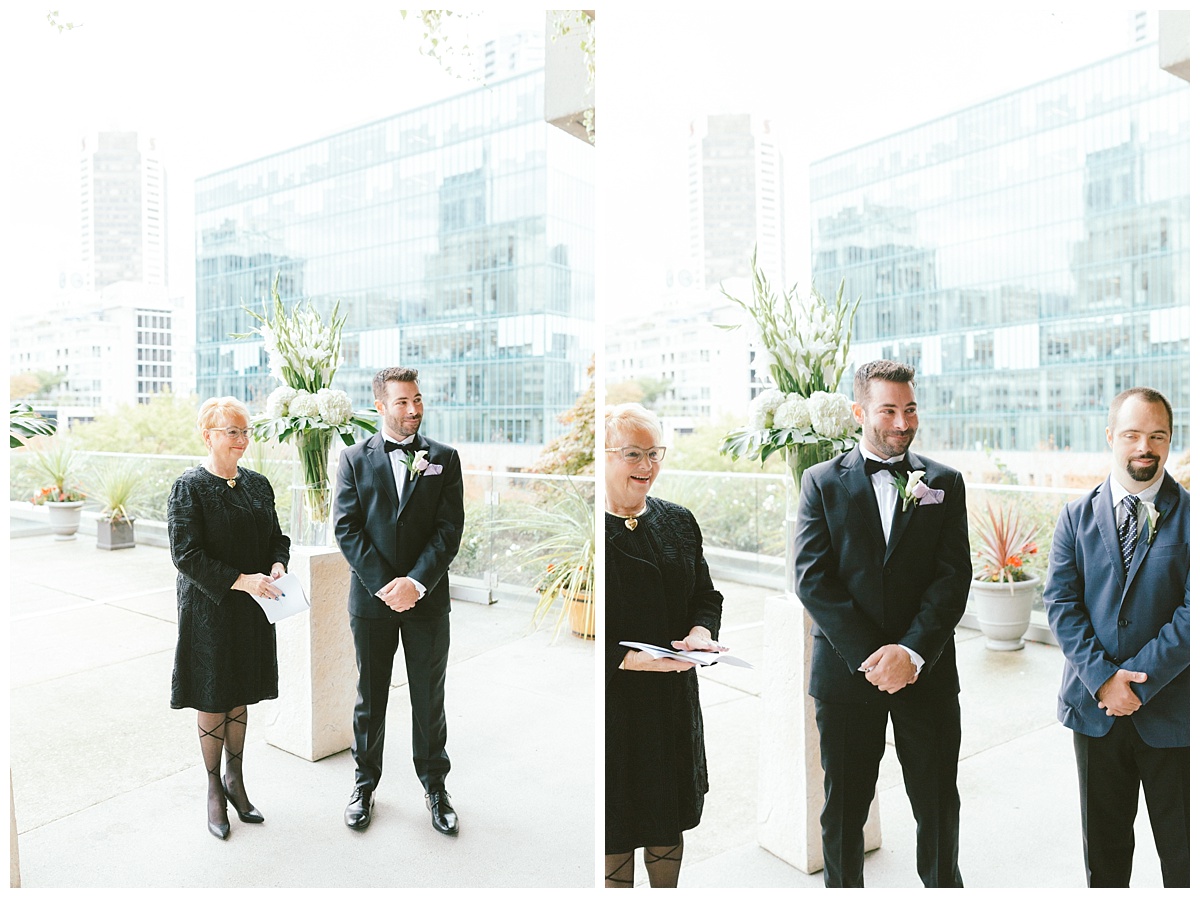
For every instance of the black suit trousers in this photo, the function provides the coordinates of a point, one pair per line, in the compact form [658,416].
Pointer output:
[426,652]
[1111,770]
[928,733]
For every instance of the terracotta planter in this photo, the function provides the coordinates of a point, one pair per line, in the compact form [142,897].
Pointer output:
[583,615]
[64,518]
[115,534]
[1003,611]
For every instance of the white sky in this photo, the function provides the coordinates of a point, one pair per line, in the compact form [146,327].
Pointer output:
[219,83]
[828,79]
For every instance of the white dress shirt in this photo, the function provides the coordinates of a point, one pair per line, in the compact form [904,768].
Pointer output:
[886,496]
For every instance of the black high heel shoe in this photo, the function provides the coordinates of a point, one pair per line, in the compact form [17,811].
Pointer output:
[254,815]
[220,830]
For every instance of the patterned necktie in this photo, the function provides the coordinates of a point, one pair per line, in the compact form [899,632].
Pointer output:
[1127,533]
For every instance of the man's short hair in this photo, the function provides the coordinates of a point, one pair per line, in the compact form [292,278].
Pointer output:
[881,369]
[379,383]
[1146,394]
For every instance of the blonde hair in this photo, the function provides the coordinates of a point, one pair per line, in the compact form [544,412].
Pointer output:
[224,409]
[629,416]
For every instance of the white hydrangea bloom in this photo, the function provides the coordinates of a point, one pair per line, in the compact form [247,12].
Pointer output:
[304,405]
[762,409]
[794,411]
[334,405]
[279,400]
[832,415]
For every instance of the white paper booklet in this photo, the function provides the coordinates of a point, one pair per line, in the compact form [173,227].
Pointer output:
[293,600]
[702,658]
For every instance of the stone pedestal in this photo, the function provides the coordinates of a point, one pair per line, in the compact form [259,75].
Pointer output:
[318,679]
[790,780]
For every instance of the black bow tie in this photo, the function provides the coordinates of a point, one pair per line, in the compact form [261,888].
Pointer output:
[898,467]
[389,445]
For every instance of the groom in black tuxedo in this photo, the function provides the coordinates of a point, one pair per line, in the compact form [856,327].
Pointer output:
[884,571]
[398,517]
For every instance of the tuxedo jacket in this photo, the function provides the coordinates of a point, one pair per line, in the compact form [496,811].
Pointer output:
[1105,620]
[864,593]
[385,535]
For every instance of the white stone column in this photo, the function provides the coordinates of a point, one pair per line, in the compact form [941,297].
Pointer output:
[318,679]
[791,786]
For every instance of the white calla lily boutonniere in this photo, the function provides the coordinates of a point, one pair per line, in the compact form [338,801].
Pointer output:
[1151,523]
[915,491]
[417,463]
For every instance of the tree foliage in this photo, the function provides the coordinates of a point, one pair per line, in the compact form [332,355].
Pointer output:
[575,451]
[700,451]
[166,425]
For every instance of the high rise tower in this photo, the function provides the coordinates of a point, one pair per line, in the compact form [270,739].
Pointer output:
[123,210]
[735,198]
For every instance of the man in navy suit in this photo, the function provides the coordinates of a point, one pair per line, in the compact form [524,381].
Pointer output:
[1118,600]
[885,576]
[398,517]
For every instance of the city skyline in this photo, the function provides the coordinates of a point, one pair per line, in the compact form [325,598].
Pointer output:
[285,80]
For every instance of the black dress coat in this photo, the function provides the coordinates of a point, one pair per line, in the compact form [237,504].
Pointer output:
[657,588]
[225,655]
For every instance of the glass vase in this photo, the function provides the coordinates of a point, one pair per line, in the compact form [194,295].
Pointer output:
[312,493]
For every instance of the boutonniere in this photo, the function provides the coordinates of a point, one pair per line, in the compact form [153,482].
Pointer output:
[417,463]
[1151,522]
[915,491]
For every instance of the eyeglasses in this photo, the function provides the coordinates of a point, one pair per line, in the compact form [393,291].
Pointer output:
[631,455]
[233,432]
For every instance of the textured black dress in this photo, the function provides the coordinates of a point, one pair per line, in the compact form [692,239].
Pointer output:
[657,587]
[225,656]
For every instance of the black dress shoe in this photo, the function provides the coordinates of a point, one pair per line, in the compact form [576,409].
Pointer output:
[254,815]
[445,820]
[358,812]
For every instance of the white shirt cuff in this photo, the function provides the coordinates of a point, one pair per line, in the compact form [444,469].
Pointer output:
[916,659]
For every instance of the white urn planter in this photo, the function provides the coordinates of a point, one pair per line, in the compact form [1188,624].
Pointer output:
[1003,611]
[64,518]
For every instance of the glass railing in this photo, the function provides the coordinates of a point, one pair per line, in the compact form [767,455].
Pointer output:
[507,514]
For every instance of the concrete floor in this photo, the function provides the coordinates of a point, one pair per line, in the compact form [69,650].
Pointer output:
[109,788]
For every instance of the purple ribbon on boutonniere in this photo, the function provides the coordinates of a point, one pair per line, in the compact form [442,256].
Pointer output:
[915,491]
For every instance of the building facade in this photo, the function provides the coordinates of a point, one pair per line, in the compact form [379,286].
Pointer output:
[122,219]
[1029,255]
[457,238]
[735,198]
[116,346]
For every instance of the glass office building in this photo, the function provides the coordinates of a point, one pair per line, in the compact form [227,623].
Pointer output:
[1029,255]
[458,238]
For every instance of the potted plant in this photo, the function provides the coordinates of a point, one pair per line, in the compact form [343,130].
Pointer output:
[1003,590]
[117,486]
[55,465]
[565,553]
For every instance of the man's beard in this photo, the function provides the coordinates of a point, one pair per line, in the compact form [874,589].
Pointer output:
[1141,475]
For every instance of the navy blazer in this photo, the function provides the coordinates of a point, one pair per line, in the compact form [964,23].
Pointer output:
[1104,620]
[384,537]
[863,594]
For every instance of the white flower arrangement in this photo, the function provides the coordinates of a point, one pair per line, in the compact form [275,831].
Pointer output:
[807,345]
[304,355]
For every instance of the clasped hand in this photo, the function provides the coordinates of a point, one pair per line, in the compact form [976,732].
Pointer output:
[400,595]
[261,585]
[1116,697]
[890,668]
[698,640]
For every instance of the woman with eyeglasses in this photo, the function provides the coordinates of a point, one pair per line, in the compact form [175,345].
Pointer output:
[228,547]
[657,591]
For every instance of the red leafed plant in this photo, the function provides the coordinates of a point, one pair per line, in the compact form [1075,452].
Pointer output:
[1003,542]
